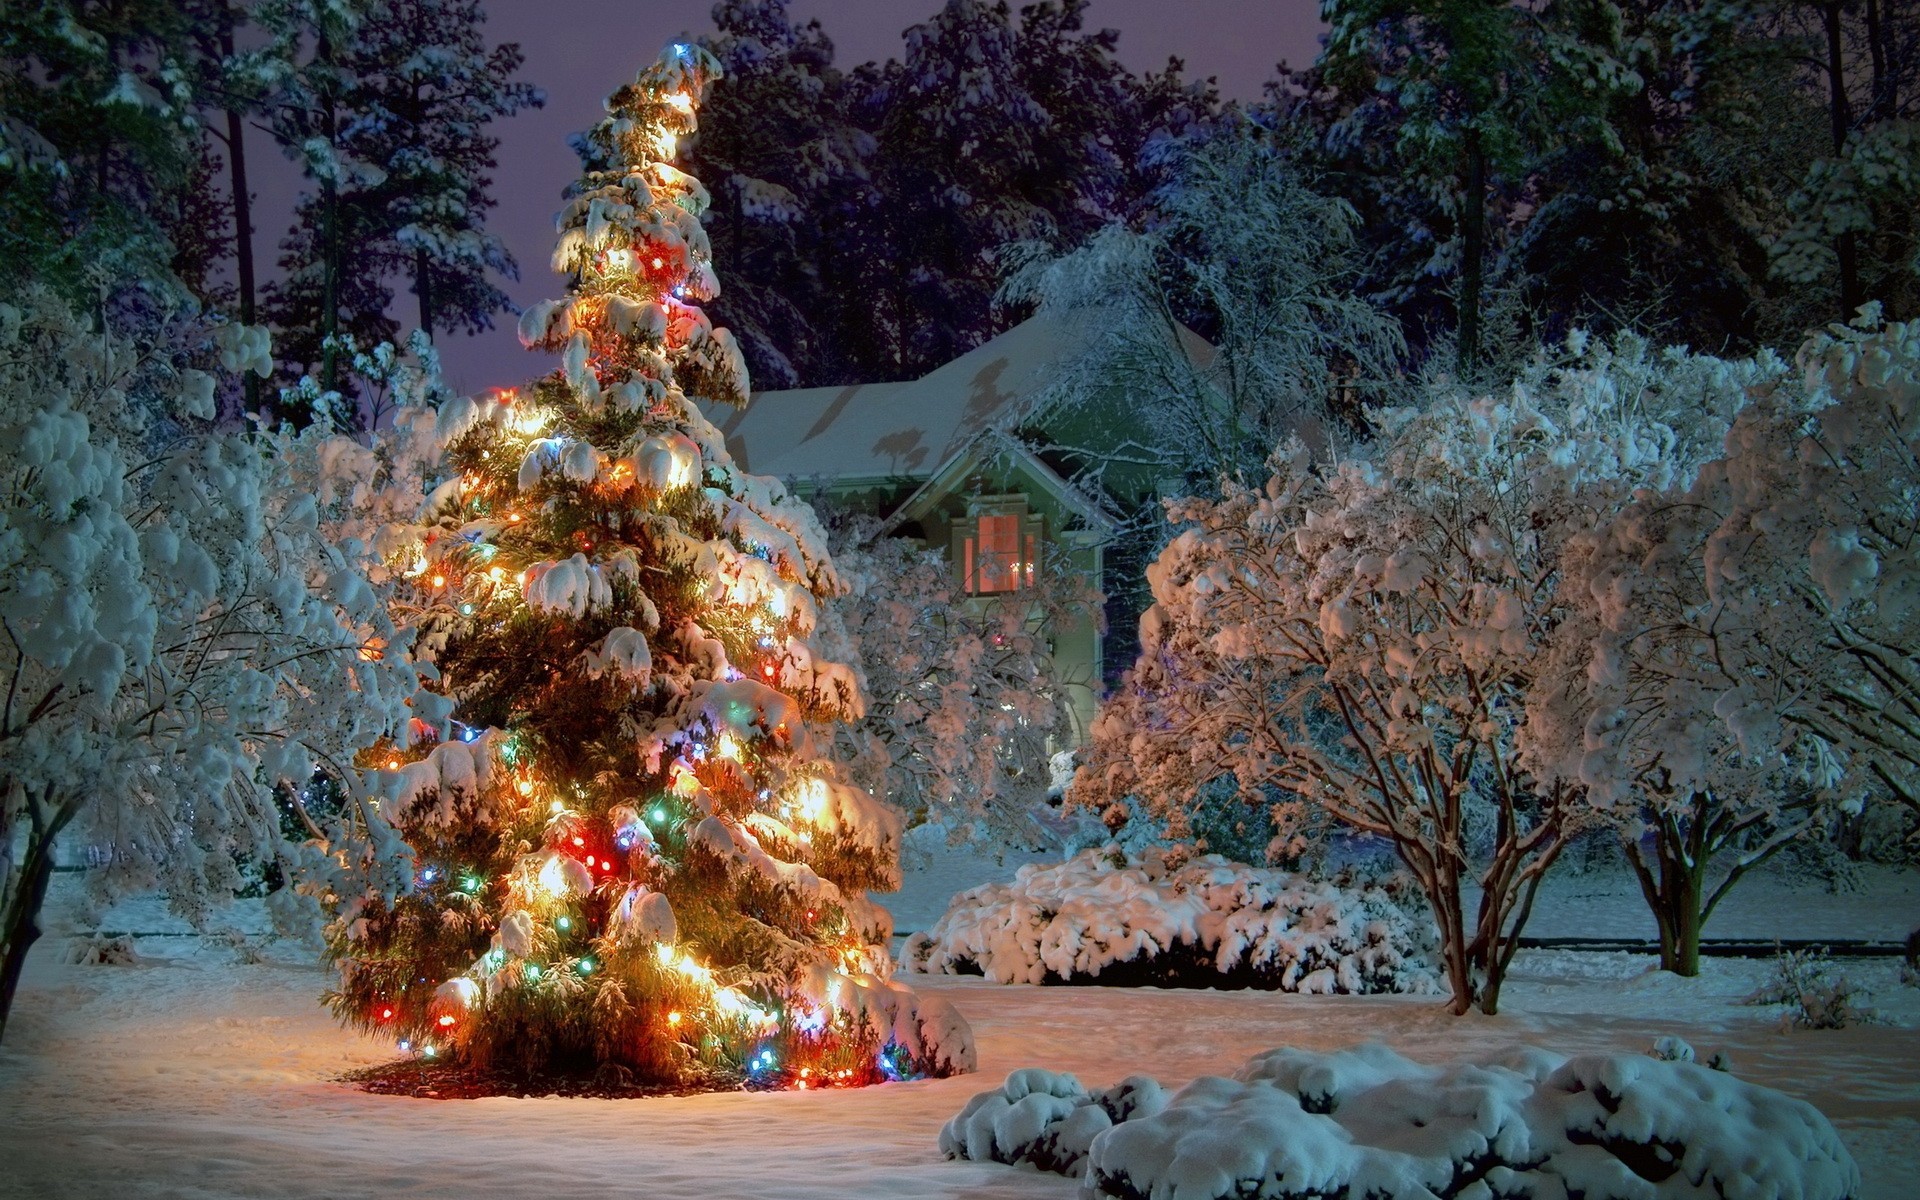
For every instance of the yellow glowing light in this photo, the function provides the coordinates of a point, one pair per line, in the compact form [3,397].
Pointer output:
[665,142]
[532,421]
[658,262]
[664,952]
[619,259]
[513,517]
[681,474]
[728,746]
[553,876]
[673,1018]
[439,581]
[681,101]
[685,783]
[393,764]
[496,573]
[813,799]
[446,1022]
[525,787]
[557,806]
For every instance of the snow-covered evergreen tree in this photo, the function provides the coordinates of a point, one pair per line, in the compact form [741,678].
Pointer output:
[632,845]
[786,164]
[97,142]
[385,104]
[425,88]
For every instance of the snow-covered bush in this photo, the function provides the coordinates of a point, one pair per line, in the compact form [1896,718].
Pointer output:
[1100,918]
[1358,636]
[1045,1119]
[1303,1125]
[181,634]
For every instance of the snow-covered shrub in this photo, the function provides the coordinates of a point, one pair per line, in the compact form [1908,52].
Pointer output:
[1814,996]
[1204,923]
[1044,1119]
[101,950]
[1303,1125]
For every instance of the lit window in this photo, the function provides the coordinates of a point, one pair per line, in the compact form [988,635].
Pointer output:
[998,552]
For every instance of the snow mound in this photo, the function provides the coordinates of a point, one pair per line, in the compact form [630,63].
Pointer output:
[1045,1119]
[1100,917]
[1366,1122]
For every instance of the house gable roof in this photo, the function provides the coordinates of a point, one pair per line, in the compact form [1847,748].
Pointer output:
[907,430]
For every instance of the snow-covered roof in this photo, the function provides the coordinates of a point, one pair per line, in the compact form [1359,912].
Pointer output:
[905,430]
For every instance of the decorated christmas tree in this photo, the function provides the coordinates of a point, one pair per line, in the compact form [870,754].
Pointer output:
[631,848]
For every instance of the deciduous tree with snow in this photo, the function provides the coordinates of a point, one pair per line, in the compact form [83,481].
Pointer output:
[1740,654]
[180,636]
[1357,639]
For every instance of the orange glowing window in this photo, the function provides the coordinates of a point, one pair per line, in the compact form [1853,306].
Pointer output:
[997,553]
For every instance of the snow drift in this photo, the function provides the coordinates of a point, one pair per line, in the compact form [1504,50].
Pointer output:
[1101,918]
[1366,1122]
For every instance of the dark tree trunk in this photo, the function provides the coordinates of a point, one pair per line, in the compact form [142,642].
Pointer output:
[1472,250]
[242,217]
[423,288]
[1674,884]
[329,239]
[24,901]
[1845,248]
[1884,97]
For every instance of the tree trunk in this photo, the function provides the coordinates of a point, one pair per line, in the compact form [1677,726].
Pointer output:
[423,288]
[1449,914]
[1883,104]
[1841,119]
[1675,892]
[22,917]
[329,239]
[1472,249]
[242,217]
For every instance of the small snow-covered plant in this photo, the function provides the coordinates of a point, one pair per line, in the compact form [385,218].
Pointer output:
[1361,635]
[1814,994]
[180,634]
[964,700]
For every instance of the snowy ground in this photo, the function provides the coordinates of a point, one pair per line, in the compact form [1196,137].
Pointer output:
[192,1075]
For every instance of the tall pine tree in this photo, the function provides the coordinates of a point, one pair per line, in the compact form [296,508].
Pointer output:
[650,859]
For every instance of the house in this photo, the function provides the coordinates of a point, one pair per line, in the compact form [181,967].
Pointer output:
[948,459]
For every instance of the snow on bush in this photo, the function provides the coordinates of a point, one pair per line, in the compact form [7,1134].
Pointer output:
[1101,918]
[1366,1122]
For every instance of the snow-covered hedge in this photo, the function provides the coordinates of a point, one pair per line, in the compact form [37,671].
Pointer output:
[1102,918]
[1366,1122]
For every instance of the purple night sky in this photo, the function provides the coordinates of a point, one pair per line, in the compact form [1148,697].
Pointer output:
[579,50]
